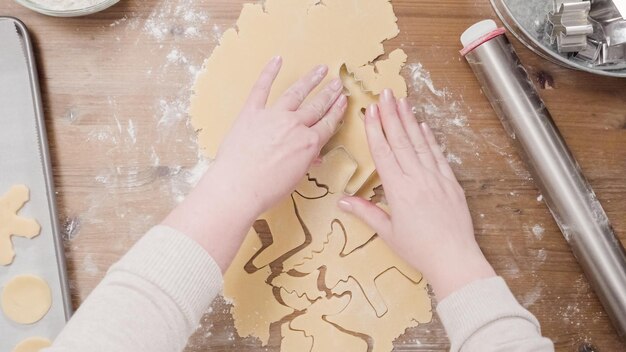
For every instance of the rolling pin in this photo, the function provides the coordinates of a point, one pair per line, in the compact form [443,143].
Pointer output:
[566,191]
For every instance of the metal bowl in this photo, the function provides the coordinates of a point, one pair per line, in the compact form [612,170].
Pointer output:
[104,4]
[526,20]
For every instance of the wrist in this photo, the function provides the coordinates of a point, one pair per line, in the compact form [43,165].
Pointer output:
[456,270]
[215,214]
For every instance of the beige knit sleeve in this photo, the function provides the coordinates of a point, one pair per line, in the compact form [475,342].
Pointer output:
[151,300]
[485,316]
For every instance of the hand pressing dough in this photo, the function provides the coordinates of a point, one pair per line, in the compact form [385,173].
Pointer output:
[32,344]
[305,33]
[13,225]
[408,305]
[26,299]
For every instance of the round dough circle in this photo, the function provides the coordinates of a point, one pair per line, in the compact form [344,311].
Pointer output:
[32,344]
[26,299]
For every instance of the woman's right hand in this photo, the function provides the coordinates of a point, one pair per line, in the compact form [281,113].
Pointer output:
[430,225]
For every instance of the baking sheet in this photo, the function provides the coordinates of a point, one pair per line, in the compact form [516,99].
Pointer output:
[24,159]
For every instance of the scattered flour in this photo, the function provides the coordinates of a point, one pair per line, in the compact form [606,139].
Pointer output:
[89,266]
[538,231]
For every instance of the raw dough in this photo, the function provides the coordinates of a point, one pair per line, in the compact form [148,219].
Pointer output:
[320,262]
[13,225]
[26,299]
[32,344]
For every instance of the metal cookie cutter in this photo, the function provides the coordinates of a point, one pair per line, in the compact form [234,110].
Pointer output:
[570,25]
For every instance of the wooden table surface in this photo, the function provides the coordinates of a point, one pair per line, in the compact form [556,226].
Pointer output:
[116,88]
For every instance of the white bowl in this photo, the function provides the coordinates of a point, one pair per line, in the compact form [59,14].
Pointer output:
[102,5]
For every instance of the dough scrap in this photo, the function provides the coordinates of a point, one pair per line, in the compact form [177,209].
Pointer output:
[32,344]
[13,225]
[26,299]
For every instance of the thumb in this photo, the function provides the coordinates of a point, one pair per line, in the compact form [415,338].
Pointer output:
[369,213]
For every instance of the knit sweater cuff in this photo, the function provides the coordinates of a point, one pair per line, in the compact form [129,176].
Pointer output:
[177,265]
[477,305]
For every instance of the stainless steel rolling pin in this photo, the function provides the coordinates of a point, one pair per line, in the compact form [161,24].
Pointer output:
[567,193]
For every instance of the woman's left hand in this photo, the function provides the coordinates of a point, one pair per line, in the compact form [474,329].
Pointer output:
[261,160]
[270,148]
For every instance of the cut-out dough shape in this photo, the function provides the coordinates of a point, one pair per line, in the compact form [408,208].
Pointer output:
[254,303]
[32,344]
[327,337]
[308,284]
[364,265]
[26,299]
[408,305]
[334,172]
[294,340]
[13,225]
[285,226]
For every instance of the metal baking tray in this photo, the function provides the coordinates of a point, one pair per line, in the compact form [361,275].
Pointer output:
[25,159]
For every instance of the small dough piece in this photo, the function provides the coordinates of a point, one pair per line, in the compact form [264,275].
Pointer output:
[32,344]
[13,225]
[26,299]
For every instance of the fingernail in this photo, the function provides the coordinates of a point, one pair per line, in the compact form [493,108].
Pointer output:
[387,94]
[277,60]
[336,84]
[342,100]
[321,69]
[320,73]
[404,102]
[345,205]
[371,110]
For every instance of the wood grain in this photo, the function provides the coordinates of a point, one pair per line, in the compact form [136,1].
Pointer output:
[115,94]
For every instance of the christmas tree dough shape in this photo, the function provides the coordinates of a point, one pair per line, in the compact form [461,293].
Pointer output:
[13,225]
